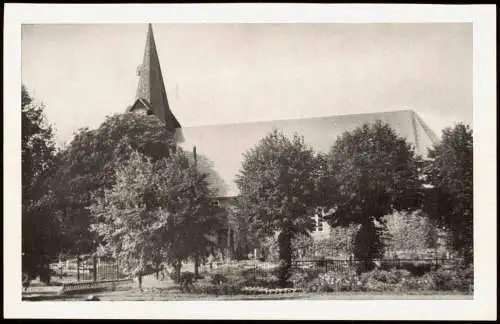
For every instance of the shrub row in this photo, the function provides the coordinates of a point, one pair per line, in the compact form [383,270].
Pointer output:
[397,280]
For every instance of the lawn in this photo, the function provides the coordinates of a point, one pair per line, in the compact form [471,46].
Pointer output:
[172,293]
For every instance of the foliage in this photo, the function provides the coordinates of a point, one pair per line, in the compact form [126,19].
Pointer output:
[394,276]
[182,276]
[155,210]
[410,231]
[416,268]
[86,168]
[269,281]
[457,275]
[342,238]
[230,287]
[40,224]
[278,182]
[339,243]
[343,281]
[450,172]
[374,172]
[218,279]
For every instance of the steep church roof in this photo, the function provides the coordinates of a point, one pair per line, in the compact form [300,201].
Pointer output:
[151,96]
[220,148]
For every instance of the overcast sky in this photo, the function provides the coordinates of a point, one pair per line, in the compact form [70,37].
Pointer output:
[225,73]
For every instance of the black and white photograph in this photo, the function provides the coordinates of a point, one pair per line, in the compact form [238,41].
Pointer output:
[190,161]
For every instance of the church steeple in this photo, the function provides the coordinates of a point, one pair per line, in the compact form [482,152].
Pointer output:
[151,96]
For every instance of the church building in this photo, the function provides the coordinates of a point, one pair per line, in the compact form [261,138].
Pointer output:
[220,148]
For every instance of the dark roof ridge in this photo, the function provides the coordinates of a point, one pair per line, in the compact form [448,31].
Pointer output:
[303,118]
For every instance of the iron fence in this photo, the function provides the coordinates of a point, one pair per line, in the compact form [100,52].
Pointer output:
[340,264]
[85,269]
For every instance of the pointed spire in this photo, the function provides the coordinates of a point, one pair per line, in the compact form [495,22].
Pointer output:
[151,95]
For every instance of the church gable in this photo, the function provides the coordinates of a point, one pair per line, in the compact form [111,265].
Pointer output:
[140,106]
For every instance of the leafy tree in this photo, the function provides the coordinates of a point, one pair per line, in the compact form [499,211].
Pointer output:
[155,210]
[278,185]
[39,224]
[373,171]
[450,173]
[86,167]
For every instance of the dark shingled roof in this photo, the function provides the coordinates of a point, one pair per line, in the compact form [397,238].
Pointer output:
[220,148]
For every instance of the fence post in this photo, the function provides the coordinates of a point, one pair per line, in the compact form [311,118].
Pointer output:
[95,267]
[78,268]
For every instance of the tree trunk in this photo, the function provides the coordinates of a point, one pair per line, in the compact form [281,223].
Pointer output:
[196,266]
[368,245]
[285,255]
[177,269]
[139,280]
[228,257]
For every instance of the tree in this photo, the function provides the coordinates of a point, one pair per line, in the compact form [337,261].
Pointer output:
[39,224]
[86,167]
[278,184]
[374,172]
[450,173]
[155,210]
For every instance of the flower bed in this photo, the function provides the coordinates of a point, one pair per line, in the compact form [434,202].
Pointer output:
[396,280]
[268,291]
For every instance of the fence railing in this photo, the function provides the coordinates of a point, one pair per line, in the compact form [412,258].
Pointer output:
[336,265]
[85,269]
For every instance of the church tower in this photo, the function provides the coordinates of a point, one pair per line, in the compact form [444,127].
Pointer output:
[151,97]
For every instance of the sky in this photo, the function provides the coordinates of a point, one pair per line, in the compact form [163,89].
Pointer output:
[235,72]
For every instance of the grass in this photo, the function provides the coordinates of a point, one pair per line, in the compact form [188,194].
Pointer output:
[130,293]
[165,290]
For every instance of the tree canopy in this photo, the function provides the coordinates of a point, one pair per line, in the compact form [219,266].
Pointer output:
[450,173]
[155,211]
[40,225]
[86,167]
[373,171]
[278,184]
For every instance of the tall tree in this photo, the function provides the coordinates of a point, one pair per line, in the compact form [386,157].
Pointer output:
[278,184]
[155,210]
[39,224]
[87,167]
[450,173]
[375,172]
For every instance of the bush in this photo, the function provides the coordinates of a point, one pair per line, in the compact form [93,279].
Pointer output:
[270,281]
[218,279]
[185,276]
[425,282]
[416,268]
[383,280]
[313,286]
[230,287]
[340,281]
[393,276]
[459,279]
[300,277]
